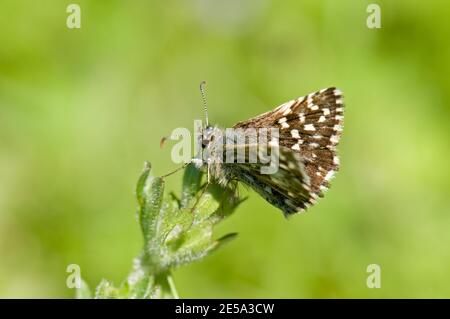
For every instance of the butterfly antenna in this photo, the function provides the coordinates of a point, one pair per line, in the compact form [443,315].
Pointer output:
[205,105]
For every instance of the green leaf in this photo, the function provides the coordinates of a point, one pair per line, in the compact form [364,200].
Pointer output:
[191,185]
[141,183]
[105,290]
[205,207]
[143,288]
[150,197]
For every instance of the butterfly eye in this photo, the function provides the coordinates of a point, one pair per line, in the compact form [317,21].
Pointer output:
[208,130]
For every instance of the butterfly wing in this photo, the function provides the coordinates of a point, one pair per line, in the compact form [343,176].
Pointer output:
[309,127]
[287,188]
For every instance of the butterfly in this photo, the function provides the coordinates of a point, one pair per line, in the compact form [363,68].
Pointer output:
[308,130]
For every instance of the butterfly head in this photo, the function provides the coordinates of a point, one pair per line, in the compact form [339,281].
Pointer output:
[207,136]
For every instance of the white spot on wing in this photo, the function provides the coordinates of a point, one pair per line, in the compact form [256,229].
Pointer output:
[334,139]
[296,147]
[326,111]
[309,127]
[329,175]
[295,134]
[286,107]
[336,160]
[283,123]
[302,117]
[321,119]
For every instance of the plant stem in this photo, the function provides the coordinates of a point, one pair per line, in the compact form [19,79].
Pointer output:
[166,286]
[173,289]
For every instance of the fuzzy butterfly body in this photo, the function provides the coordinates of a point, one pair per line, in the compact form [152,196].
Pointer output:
[309,129]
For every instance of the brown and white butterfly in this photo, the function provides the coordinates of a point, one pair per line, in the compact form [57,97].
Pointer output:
[309,129]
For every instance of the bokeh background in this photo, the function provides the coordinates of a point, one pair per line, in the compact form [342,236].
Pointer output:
[81,109]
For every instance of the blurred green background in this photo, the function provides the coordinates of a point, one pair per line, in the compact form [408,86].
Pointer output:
[81,109]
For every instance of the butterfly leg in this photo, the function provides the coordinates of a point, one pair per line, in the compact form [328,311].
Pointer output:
[208,173]
[174,171]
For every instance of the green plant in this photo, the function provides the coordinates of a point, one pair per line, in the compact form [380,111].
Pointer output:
[176,231]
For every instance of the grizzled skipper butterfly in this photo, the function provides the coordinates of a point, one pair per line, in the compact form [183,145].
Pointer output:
[298,139]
